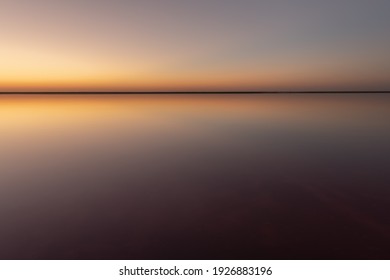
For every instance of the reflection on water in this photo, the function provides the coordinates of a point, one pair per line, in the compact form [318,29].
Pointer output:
[195,176]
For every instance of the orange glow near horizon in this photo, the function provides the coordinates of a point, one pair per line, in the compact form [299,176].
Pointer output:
[150,46]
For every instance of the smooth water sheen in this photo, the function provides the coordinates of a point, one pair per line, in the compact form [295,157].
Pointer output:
[280,176]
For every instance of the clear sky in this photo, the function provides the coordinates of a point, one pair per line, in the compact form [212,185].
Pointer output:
[130,45]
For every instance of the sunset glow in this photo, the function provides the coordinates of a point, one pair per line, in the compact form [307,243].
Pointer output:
[214,45]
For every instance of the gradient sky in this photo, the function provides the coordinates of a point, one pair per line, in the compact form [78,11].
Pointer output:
[168,45]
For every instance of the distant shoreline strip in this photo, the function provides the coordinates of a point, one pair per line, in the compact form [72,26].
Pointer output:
[194,92]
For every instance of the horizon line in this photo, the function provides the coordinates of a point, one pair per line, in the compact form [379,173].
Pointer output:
[199,92]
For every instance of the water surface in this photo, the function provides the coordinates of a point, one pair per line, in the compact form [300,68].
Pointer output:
[195,176]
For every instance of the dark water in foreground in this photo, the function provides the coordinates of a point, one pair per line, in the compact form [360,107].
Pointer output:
[195,177]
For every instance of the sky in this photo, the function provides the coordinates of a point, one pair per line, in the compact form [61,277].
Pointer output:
[197,45]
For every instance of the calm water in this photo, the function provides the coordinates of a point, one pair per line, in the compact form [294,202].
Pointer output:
[195,176]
